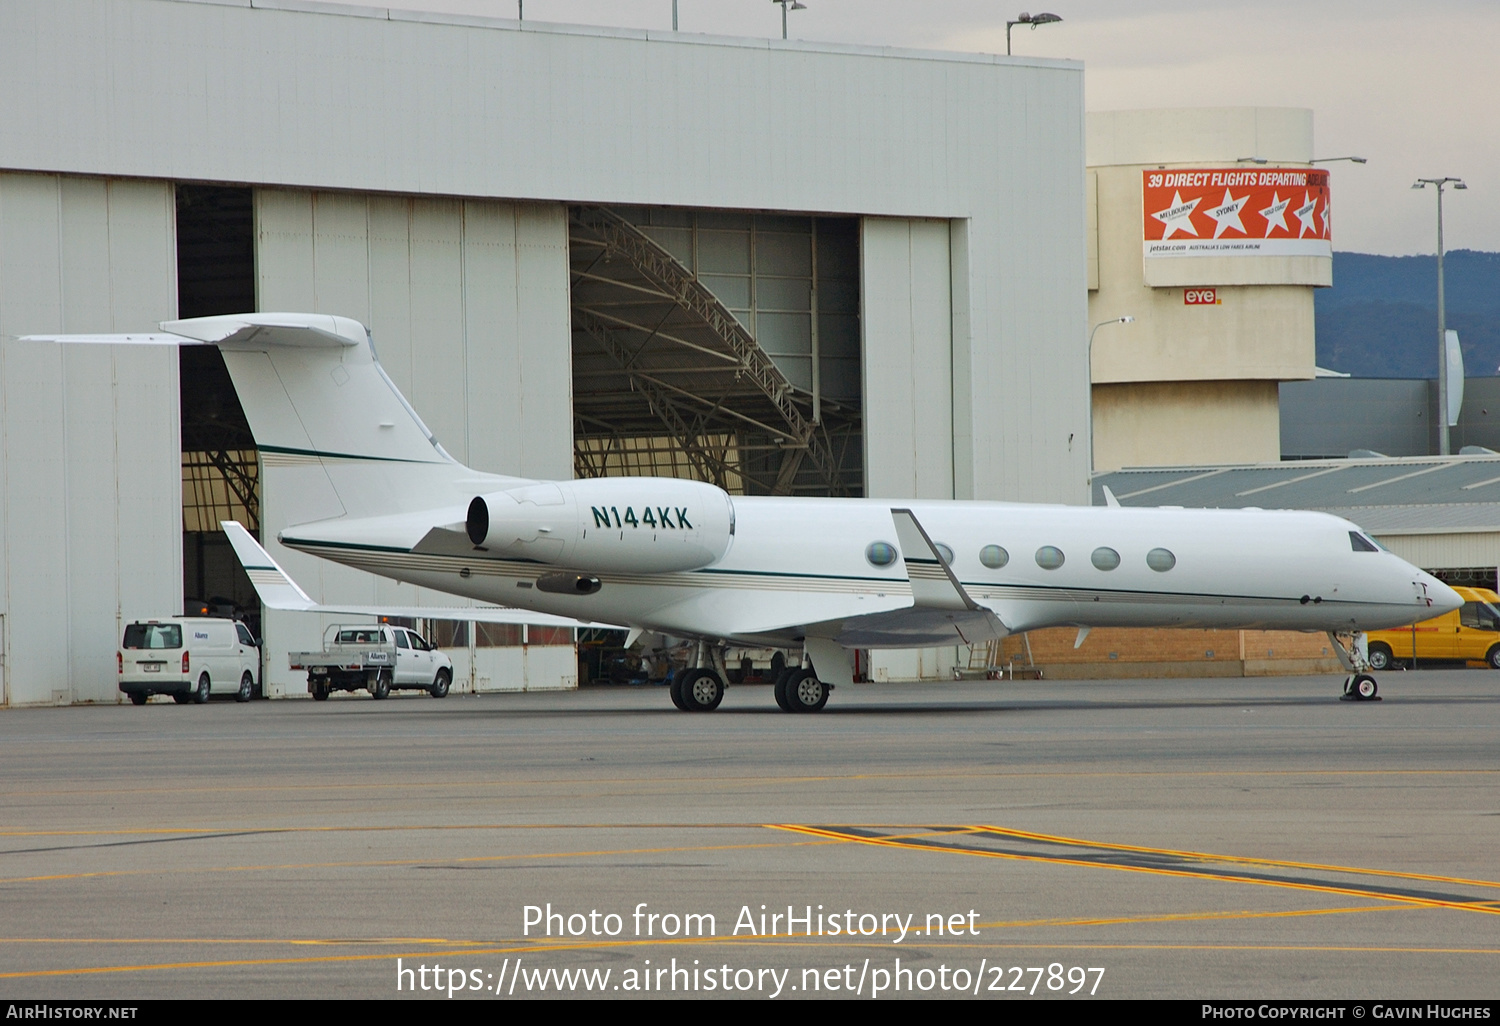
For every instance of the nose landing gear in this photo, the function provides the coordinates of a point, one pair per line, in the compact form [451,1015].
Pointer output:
[1359,686]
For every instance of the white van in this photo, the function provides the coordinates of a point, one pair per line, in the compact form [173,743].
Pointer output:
[189,658]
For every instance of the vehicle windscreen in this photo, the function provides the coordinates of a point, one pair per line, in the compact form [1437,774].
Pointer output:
[358,638]
[153,635]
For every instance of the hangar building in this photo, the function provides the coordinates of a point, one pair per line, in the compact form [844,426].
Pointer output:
[786,267]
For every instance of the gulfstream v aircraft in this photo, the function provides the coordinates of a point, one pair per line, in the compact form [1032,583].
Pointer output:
[684,558]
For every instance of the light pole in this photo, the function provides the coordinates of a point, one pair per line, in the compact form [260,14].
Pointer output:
[1330,160]
[1113,320]
[794,5]
[1457,183]
[1028,19]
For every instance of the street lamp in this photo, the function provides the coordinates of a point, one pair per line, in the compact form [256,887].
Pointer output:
[1457,183]
[1113,320]
[1028,19]
[794,5]
[1330,160]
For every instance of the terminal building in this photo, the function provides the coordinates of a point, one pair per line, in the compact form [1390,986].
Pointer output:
[788,268]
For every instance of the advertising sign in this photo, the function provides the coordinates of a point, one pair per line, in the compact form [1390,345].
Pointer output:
[1235,212]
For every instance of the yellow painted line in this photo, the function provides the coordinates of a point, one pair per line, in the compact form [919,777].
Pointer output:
[354,785]
[1356,892]
[379,863]
[756,942]
[1238,859]
[1188,917]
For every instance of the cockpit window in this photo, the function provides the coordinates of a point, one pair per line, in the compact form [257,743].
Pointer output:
[1361,544]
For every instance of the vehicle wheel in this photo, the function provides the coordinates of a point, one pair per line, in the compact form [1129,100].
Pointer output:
[182,699]
[201,695]
[780,689]
[1380,656]
[439,687]
[247,688]
[805,692]
[675,689]
[1365,686]
[319,690]
[1492,657]
[139,698]
[778,664]
[382,686]
[702,691]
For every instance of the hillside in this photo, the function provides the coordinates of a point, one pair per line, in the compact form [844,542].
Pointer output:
[1379,320]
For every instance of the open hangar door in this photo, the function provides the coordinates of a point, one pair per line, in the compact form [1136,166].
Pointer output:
[220,465]
[721,346]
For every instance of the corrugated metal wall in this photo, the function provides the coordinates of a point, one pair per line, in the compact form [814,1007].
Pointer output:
[91,518]
[467,301]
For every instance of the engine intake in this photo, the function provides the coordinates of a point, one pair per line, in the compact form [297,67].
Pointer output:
[616,524]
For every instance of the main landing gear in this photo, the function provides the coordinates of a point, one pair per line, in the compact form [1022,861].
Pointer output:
[701,688]
[1359,686]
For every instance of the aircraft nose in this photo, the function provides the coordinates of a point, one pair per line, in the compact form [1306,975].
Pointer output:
[1443,598]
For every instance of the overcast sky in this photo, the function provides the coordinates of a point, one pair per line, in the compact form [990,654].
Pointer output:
[1413,86]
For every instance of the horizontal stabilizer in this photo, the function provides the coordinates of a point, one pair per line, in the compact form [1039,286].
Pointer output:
[277,590]
[247,331]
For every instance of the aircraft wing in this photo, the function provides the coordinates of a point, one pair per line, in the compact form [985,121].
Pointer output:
[277,590]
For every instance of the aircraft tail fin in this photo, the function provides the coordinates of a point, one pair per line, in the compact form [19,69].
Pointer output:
[325,415]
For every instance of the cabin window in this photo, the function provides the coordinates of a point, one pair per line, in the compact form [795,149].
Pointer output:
[1049,557]
[881,554]
[1359,543]
[944,553]
[993,556]
[1161,560]
[1105,558]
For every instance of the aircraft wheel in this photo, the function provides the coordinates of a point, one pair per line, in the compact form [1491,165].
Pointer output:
[139,698]
[382,686]
[702,691]
[1349,684]
[1493,657]
[1380,655]
[1365,687]
[675,689]
[805,692]
[780,689]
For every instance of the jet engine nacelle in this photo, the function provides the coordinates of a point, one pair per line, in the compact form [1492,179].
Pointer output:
[618,524]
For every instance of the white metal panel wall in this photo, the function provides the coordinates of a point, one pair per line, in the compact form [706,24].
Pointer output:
[381,101]
[907,317]
[467,302]
[90,471]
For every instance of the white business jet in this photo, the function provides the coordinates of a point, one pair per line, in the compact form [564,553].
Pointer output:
[684,558]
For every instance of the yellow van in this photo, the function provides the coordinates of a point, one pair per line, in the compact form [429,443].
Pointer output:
[1469,632]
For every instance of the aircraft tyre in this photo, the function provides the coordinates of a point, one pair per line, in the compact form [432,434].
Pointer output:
[1380,655]
[702,690]
[1349,684]
[382,685]
[780,688]
[1365,687]
[805,693]
[440,685]
[201,695]
[1492,657]
[139,698]
[675,689]
[247,688]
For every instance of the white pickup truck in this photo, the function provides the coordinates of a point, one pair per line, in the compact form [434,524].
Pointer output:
[375,657]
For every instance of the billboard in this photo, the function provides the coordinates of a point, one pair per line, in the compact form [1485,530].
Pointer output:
[1234,212]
